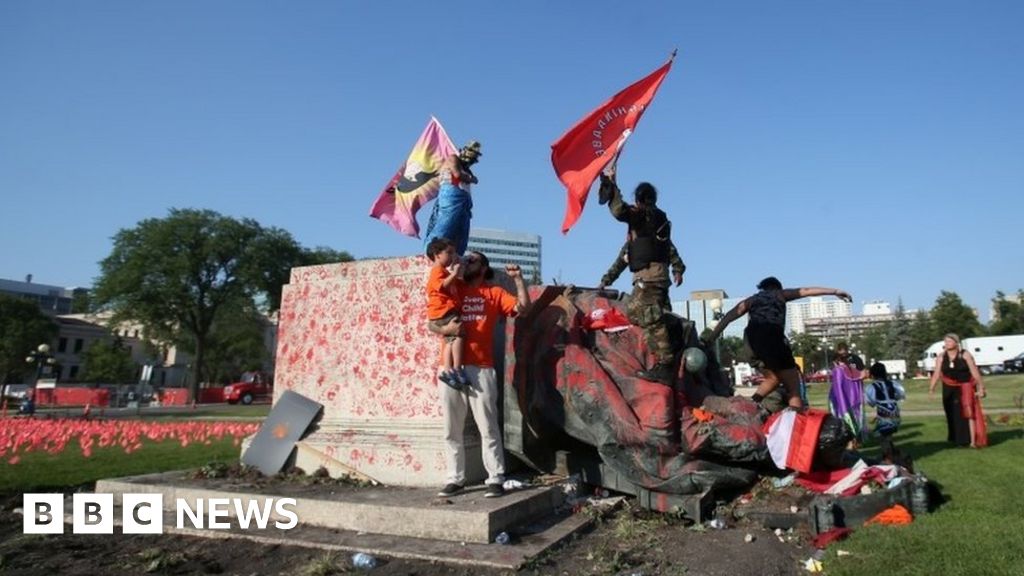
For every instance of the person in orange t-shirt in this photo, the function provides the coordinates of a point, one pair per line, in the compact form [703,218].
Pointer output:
[483,306]
[443,309]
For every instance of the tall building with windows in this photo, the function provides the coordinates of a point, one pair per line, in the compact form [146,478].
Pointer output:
[504,247]
[876,313]
[800,312]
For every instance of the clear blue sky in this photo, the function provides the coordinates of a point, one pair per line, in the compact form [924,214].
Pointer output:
[872,146]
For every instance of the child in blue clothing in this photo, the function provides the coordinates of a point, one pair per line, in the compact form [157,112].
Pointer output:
[884,395]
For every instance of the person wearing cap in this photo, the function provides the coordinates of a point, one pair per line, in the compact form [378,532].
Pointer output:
[962,387]
[454,206]
[649,253]
[766,334]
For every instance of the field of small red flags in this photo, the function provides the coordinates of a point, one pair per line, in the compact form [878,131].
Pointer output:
[21,436]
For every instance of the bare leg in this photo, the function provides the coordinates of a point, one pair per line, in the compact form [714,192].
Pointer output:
[456,346]
[446,355]
[974,439]
[791,379]
[768,385]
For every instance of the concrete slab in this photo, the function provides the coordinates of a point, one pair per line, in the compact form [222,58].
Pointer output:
[396,511]
[528,541]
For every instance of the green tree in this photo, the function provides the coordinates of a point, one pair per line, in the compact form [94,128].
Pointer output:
[175,275]
[871,345]
[807,346]
[23,327]
[108,361]
[1009,315]
[922,335]
[732,348]
[81,301]
[950,314]
[236,343]
[275,253]
[898,340]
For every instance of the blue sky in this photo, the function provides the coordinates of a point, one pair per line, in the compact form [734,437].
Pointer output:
[872,146]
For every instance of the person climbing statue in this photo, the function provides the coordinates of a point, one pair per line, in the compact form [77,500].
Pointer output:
[649,253]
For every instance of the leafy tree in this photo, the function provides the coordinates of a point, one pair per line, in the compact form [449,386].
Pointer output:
[922,335]
[871,345]
[108,362]
[950,314]
[535,279]
[176,275]
[81,302]
[23,327]
[807,346]
[1009,315]
[236,343]
[275,253]
[898,340]
[732,348]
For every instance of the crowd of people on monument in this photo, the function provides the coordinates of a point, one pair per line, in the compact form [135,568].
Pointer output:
[463,307]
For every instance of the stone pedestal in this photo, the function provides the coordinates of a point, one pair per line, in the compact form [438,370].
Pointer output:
[353,337]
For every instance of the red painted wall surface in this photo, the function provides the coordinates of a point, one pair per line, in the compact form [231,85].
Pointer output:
[353,337]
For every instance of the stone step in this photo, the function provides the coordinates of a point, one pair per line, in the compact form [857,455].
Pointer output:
[527,541]
[395,511]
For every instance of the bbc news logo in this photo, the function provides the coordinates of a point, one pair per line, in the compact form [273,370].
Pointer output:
[144,513]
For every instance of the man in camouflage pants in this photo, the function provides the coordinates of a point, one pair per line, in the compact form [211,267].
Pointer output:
[648,252]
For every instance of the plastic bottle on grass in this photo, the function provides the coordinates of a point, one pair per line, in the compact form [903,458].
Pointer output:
[364,561]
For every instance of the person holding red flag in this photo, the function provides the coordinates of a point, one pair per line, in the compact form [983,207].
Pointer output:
[597,140]
[649,253]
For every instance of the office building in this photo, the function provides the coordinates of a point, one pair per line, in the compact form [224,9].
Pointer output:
[52,300]
[504,247]
[817,309]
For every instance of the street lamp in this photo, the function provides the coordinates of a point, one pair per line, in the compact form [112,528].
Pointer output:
[824,348]
[41,357]
[716,316]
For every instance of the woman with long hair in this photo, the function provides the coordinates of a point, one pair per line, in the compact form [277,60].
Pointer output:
[962,390]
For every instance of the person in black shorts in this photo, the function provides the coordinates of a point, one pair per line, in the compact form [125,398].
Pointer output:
[766,333]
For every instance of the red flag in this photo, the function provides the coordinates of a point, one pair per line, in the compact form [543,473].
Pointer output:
[582,152]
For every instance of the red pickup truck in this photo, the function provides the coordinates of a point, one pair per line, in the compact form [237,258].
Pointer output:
[252,386]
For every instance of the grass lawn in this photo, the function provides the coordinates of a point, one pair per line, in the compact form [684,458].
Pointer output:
[40,471]
[214,412]
[1001,391]
[978,530]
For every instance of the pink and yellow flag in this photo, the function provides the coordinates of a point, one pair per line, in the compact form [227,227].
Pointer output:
[416,182]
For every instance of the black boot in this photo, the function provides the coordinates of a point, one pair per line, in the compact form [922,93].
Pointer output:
[661,373]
